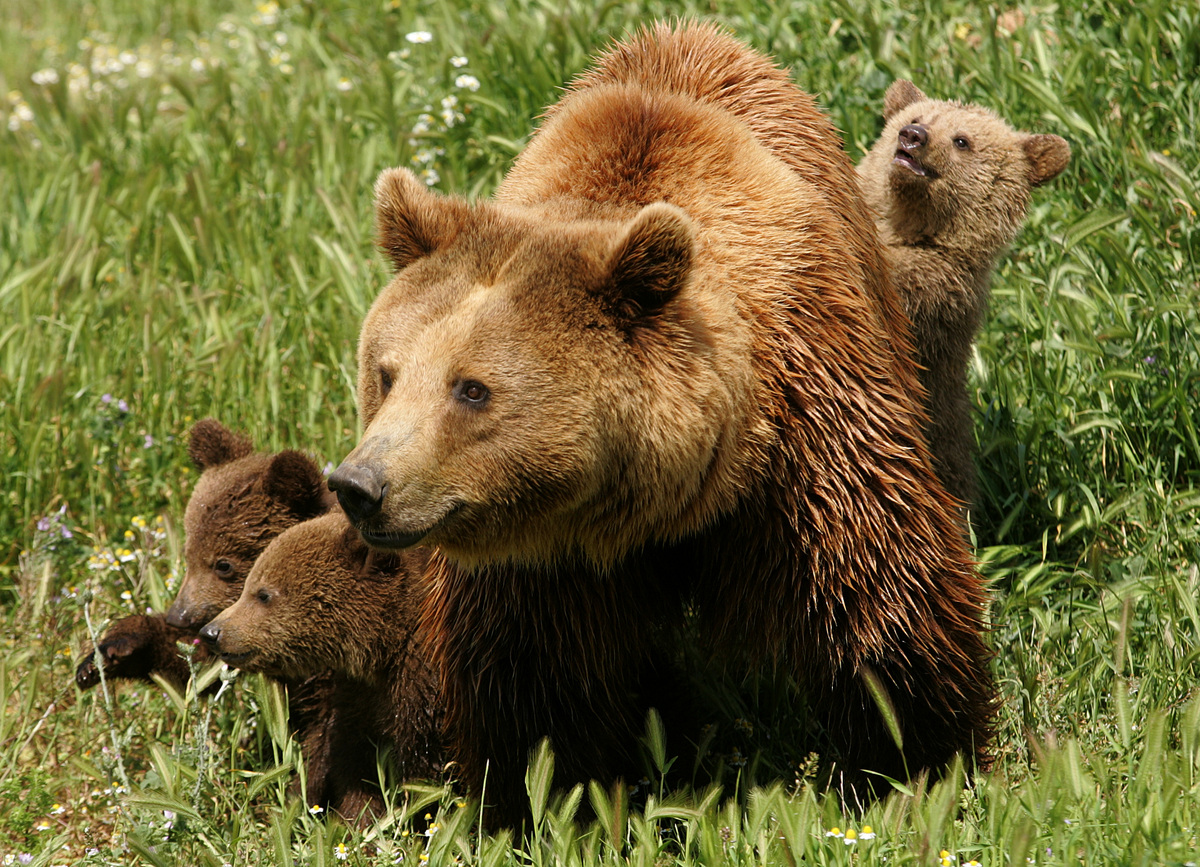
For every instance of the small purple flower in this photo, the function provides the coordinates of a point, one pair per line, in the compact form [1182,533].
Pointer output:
[1150,359]
[122,405]
[149,442]
[66,534]
[106,398]
[43,525]
[25,858]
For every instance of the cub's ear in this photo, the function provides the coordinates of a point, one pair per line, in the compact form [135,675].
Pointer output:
[294,480]
[212,444]
[411,221]
[1048,155]
[900,95]
[650,261]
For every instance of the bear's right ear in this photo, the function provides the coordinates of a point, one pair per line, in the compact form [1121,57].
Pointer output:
[900,95]
[212,444]
[1048,156]
[293,479]
[650,262]
[410,221]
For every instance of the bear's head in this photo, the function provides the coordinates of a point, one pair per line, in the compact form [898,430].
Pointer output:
[317,599]
[534,383]
[952,171]
[241,502]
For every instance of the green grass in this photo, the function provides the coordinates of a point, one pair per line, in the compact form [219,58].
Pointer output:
[185,230]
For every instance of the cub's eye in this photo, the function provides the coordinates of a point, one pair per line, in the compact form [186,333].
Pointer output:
[223,569]
[474,394]
[961,143]
[385,382]
[263,596]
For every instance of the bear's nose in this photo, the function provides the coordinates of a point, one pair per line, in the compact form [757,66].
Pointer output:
[211,634]
[359,490]
[913,136]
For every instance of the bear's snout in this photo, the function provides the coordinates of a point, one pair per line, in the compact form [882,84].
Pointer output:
[913,136]
[359,490]
[210,634]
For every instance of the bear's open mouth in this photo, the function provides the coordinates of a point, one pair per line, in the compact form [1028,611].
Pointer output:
[913,164]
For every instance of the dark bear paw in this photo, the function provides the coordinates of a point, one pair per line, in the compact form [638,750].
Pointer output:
[128,651]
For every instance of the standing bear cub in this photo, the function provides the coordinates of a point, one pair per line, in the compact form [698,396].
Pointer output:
[950,185]
[318,601]
[656,373]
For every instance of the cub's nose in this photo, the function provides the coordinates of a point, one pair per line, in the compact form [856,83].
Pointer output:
[210,634]
[913,136]
[359,490]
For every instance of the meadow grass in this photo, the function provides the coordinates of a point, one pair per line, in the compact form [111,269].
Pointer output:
[185,230]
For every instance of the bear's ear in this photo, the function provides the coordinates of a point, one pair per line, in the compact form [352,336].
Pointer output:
[293,479]
[410,221]
[650,261]
[212,444]
[900,95]
[1048,155]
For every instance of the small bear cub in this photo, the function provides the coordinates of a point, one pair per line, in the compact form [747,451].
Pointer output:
[950,186]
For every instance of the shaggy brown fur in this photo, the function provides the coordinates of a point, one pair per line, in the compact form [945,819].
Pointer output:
[241,502]
[319,600]
[657,369]
[950,184]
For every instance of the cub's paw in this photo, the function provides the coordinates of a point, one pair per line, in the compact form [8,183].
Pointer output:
[127,651]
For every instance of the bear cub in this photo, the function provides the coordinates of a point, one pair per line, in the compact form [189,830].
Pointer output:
[319,600]
[242,501]
[950,185]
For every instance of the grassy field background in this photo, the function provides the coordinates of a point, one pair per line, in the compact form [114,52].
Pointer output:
[185,230]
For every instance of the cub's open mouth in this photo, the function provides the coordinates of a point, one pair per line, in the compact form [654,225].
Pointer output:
[910,162]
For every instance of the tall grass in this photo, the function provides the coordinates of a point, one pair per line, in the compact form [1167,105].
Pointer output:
[185,230]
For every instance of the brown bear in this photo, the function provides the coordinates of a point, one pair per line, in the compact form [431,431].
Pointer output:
[242,501]
[950,185]
[656,373]
[319,600]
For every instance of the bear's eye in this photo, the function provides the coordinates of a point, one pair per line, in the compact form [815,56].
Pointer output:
[473,393]
[223,569]
[385,382]
[263,596]
[960,142]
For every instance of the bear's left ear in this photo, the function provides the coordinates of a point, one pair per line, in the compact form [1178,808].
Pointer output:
[410,221]
[212,444]
[900,95]
[650,261]
[293,479]
[1048,155]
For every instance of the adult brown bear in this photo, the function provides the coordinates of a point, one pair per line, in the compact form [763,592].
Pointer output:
[663,368]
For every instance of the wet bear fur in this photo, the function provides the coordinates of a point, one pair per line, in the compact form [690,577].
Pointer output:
[660,371]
